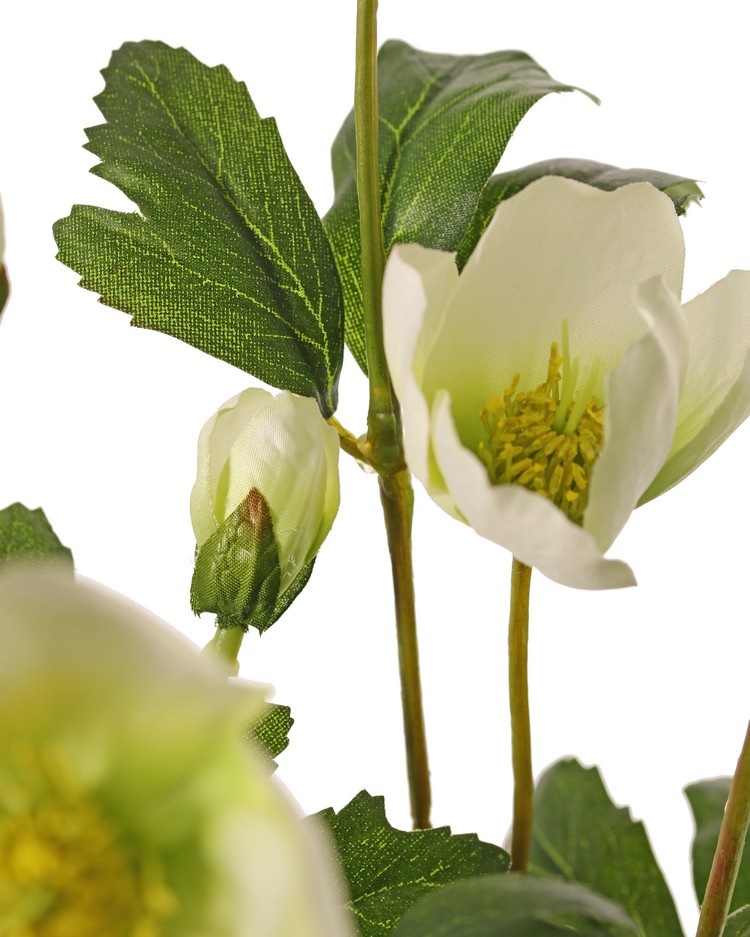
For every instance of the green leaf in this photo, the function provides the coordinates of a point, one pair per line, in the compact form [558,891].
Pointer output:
[582,836]
[515,906]
[270,731]
[504,185]
[387,870]
[707,801]
[738,924]
[228,252]
[445,121]
[27,535]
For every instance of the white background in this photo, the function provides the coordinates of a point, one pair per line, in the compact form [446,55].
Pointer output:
[98,421]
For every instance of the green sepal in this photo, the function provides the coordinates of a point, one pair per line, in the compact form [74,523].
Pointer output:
[707,801]
[27,535]
[228,252]
[580,835]
[504,185]
[445,121]
[270,731]
[515,906]
[237,574]
[738,923]
[388,870]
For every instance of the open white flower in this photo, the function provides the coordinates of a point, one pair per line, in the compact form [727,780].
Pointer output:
[129,802]
[558,382]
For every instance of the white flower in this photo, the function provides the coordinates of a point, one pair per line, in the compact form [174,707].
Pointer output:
[600,273]
[276,460]
[129,803]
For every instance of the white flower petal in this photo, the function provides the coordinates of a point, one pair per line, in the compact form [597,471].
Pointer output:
[557,250]
[530,526]
[417,287]
[716,394]
[643,396]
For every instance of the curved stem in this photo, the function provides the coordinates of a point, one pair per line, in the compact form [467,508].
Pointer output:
[729,849]
[225,646]
[520,723]
[397,498]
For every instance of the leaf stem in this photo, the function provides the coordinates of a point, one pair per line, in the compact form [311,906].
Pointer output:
[348,442]
[729,848]
[383,433]
[397,498]
[518,684]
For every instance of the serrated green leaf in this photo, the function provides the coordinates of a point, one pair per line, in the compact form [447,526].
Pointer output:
[515,906]
[707,801]
[228,252]
[738,924]
[581,835]
[387,870]
[27,535]
[445,121]
[504,185]
[270,731]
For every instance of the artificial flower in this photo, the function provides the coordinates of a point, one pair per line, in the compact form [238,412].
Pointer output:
[129,803]
[558,382]
[265,498]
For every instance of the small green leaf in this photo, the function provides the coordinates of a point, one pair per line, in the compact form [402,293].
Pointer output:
[738,924]
[504,185]
[515,906]
[387,870]
[228,252]
[445,121]
[707,801]
[27,535]
[270,731]
[582,836]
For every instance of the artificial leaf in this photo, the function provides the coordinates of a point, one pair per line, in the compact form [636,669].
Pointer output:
[27,535]
[738,924]
[445,121]
[580,834]
[227,252]
[387,870]
[707,801]
[682,191]
[270,731]
[515,906]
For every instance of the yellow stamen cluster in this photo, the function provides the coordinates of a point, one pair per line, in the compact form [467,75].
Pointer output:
[546,439]
[65,868]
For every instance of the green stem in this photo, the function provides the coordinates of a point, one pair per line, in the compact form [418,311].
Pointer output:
[225,646]
[383,433]
[397,498]
[520,723]
[729,849]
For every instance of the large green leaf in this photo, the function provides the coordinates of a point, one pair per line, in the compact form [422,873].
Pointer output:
[227,252]
[387,870]
[515,906]
[27,535]
[445,121]
[682,191]
[707,801]
[582,836]
[738,924]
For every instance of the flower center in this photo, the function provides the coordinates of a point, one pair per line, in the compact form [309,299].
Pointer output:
[65,868]
[547,439]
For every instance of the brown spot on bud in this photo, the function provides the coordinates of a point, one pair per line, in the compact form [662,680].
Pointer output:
[255,512]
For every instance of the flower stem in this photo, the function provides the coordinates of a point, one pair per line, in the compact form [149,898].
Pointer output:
[518,683]
[397,498]
[729,849]
[225,646]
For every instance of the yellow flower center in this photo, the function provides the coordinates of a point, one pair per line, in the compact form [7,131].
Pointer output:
[547,439]
[65,868]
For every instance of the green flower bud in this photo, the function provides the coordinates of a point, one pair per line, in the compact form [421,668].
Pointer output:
[265,497]
[129,801]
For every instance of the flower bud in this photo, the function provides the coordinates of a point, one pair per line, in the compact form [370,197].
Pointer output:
[266,495]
